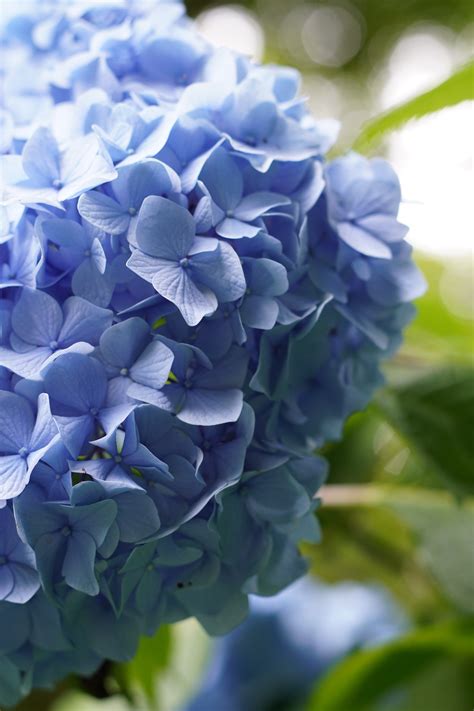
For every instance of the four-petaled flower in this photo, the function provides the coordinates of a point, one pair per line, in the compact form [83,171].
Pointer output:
[194,273]
[43,330]
[24,438]
[49,175]
[19,579]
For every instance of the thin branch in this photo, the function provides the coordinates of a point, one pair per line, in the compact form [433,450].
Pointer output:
[346,495]
[335,495]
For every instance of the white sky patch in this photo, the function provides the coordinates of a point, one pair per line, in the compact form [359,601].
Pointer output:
[434,160]
[332,35]
[422,58]
[233,27]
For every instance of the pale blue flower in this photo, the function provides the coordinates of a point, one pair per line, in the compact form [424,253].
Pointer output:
[25,436]
[195,273]
[19,579]
[42,330]
[51,175]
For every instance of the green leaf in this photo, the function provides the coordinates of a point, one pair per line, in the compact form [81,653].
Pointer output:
[352,459]
[459,87]
[79,701]
[399,535]
[183,675]
[437,332]
[152,657]
[434,415]
[365,678]
[445,532]
[368,543]
[167,669]
[447,684]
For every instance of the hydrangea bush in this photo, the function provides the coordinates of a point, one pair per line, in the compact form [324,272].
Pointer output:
[192,300]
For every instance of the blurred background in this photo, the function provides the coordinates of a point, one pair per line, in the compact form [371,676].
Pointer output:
[398,515]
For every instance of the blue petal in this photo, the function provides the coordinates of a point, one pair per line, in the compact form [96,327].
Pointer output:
[7,582]
[103,212]
[27,364]
[137,516]
[153,366]
[144,265]
[221,271]
[363,322]
[259,311]
[83,321]
[41,159]
[397,283]
[193,300]
[256,204]
[384,226]
[151,177]
[26,582]
[266,277]
[75,431]
[84,165]
[231,228]
[94,518]
[44,431]
[362,241]
[164,229]
[122,343]
[91,285]
[223,179]
[77,381]
[211,407]
[277,497]
[78,564]
[113,416]
[97,255]
[13,476]
[37,317]
[16,422]
[66,234]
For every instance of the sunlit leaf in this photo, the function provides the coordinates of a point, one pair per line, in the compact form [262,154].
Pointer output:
[152,657]
[445,533]
[446,684]
[434,414]
[366,677]
[371,543]
[78,701]
[459,87]
[437,334]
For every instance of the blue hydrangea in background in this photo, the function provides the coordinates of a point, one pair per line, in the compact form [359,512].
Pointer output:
[191,300]
[289,641]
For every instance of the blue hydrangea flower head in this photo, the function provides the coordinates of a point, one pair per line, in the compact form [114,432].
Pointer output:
[192,298]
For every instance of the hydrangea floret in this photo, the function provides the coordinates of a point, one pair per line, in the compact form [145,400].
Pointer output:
[192,299]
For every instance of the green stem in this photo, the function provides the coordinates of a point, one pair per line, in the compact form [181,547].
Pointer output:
[346,495]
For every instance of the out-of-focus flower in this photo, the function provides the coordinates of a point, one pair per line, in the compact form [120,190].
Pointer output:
[275,658]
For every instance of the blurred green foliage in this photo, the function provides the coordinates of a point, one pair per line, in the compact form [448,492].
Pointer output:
[366,681]
[386,19]
[459,87]
[438,335]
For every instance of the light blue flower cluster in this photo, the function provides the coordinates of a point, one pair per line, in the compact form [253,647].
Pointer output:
[277,656]
[192,299]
